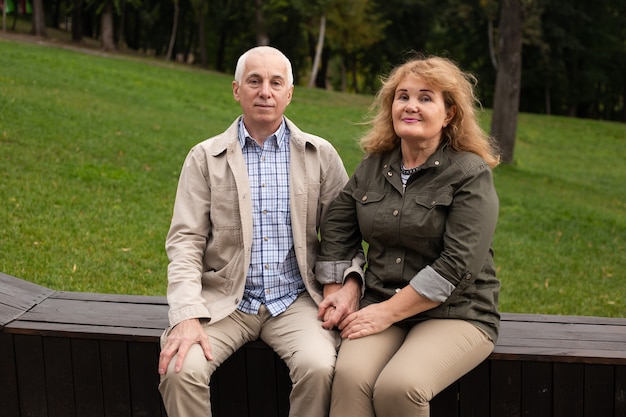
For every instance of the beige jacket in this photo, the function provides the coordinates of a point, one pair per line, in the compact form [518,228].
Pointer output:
[210,237]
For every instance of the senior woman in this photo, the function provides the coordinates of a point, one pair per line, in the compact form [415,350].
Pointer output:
[424,201]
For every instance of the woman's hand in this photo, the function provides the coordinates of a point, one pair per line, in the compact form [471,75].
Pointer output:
[369,320]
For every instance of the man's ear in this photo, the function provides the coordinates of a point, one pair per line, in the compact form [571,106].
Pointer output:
[236,90]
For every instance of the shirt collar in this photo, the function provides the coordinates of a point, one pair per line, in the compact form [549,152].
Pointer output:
[281,134]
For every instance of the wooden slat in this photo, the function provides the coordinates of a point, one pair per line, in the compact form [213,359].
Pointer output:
[59,377]
[536,389]
[446,403]
[554,318]
[8,377]
[115,378]
[84,331]
[29,360]
[262,395]
[98,313]
[620,391]
[18,296]
[599,389]
[568,389]
[144,379]
[475,392]
[88,378]
[506,379]
[229,387]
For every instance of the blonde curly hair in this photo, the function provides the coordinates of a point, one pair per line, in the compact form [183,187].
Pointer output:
[463,133]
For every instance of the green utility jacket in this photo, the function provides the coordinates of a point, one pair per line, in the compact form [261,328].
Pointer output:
[435,236]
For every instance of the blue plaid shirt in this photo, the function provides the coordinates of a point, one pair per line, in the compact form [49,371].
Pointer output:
[273,276]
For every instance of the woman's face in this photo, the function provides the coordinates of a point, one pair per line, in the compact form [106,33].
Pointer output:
[418,111]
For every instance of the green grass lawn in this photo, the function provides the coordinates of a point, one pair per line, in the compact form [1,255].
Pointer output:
[91,146]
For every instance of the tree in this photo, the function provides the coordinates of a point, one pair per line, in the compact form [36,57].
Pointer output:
[318,51]
[107,32]
[170,48]
[508,77]
[38,19]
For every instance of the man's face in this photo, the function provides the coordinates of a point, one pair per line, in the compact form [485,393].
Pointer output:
[264,92]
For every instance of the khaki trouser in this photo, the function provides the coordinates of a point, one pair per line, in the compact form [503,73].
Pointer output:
[295,335]
[398,371]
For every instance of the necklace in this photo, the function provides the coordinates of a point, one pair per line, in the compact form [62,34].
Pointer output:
[409,171]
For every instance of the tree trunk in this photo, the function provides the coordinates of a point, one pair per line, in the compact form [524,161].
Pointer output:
[170,48]
[508,78]
[107,41]
[77,21]
[39,20]
[202,46]
[262,38]
[318,51]
[4,15]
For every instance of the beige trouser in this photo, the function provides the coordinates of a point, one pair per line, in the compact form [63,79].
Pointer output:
[397,372]
[295,335]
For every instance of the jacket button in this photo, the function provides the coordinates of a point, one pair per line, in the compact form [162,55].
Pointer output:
[395,212]
[236,300]
[398,260]
[389,174]
[364,198]
[468,275]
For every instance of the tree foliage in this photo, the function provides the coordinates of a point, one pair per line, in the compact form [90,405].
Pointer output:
[574,51]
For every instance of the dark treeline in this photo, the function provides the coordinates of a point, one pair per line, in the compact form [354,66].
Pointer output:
[573,53]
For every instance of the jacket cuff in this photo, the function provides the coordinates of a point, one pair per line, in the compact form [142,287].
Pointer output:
[331,272]
[186,313]
[431,285]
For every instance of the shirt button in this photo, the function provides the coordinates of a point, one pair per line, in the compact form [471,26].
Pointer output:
[395,212]
[398,260]
[263,185]
[267,266]
[266,238]
[264,212]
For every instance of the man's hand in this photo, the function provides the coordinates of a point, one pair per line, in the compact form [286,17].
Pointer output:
[184,335]
[339,302]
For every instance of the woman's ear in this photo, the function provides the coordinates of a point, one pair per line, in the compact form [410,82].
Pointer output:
[450,112]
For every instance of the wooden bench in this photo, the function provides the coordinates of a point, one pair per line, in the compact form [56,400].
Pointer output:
[81,354]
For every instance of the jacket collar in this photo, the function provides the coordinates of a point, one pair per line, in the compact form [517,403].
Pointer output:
[230,138]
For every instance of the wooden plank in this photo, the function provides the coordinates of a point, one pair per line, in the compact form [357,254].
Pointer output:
[112,298]
[59,377]
[555,318]
[283,386]
[566,331]
[29,360]
[599,390]
[620,391]
[262,394]
[98,313]
[543,354]
[568,388]
[87,378]
[475,389]
[229,387]
[446,403]
[506,379]
[144,379]
[8,377]
[115,378]
[18,296]
[84,331]
[536,389]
